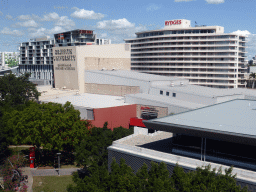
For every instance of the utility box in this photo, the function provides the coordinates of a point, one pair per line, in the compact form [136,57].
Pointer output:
[32,157]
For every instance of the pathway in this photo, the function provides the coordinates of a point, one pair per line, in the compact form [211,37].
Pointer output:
[49,172]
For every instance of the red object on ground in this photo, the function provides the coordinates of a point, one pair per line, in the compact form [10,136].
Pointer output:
[135,121]
[115,116]
[32,155]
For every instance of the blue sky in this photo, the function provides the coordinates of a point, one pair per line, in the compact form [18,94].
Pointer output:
[21,20]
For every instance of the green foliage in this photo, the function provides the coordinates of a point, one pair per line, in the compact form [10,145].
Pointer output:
[16,91]
[122,178]
[252,75]
[12,62]
[50,125]
[93,149]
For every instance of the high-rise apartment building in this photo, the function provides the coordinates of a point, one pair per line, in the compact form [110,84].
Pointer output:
[203,54]
[36,55]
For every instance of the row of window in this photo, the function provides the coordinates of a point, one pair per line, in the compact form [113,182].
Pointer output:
[175,32]
[167,93]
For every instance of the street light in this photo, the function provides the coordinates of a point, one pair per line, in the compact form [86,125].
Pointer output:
[59,162]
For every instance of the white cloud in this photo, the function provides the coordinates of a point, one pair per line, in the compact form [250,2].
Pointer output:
[1,13]
[30,23]
[37,32]
[8,31]
[183,0]
[9,17]
[115,24]
[86,14]
[51,17]
[64,21]
[215,1]
[43,31]
[153,7]
[239,32]
[251,42]
[24,17]
[56,29]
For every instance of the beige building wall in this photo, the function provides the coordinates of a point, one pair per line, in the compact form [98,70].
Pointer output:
[70,62]
[65,67]
[106,89]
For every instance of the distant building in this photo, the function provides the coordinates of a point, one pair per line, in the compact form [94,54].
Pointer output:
[5,57]
[203,54]
[36,56]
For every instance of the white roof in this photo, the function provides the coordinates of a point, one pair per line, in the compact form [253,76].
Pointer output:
[236,116]
[134,75]
[207,91]
[90,100]
[166,100]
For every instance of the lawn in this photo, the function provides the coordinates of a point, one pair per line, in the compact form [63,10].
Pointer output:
[51,183]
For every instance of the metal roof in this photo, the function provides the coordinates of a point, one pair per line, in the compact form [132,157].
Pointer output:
[166,100]
[205,91]
[231,120]
[90,100]
[134,75]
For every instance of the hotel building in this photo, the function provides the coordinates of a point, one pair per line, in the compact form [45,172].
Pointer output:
[203,54]
[36,56]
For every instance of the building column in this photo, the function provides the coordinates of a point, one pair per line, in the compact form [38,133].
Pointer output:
[203,148]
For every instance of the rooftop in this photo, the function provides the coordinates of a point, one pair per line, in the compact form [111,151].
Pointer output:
[90,100]
[134,75]
[166,100]
[206,91]
[235,117]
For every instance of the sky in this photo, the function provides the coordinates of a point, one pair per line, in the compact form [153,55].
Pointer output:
[22,20]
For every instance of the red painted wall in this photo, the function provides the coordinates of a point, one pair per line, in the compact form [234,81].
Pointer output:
[116,116]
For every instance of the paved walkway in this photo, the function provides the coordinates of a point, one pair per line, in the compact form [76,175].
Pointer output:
[27,171]
[49,172]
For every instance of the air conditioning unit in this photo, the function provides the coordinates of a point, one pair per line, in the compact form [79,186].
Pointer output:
[172,84]
[103,69]
[181,83]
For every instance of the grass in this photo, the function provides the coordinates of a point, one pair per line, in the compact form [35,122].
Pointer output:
[51,183]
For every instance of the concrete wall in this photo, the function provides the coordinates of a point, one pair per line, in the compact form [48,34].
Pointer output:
[117,90]
[91,77]
[89,57]
[97,63]
[142,101]
[185,96]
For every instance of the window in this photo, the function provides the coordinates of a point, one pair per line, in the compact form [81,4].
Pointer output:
[174,94]
[167,93]
[161,92]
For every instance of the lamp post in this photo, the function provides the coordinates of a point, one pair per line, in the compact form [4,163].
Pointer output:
[59,163]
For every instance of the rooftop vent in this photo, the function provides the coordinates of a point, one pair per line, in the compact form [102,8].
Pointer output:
[113,69]
[181,83]
[103,69]
[64,87]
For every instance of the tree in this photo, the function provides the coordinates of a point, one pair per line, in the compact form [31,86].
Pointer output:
[94,148]
[122,178]
[49,125]
[16,91]
[12,62]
